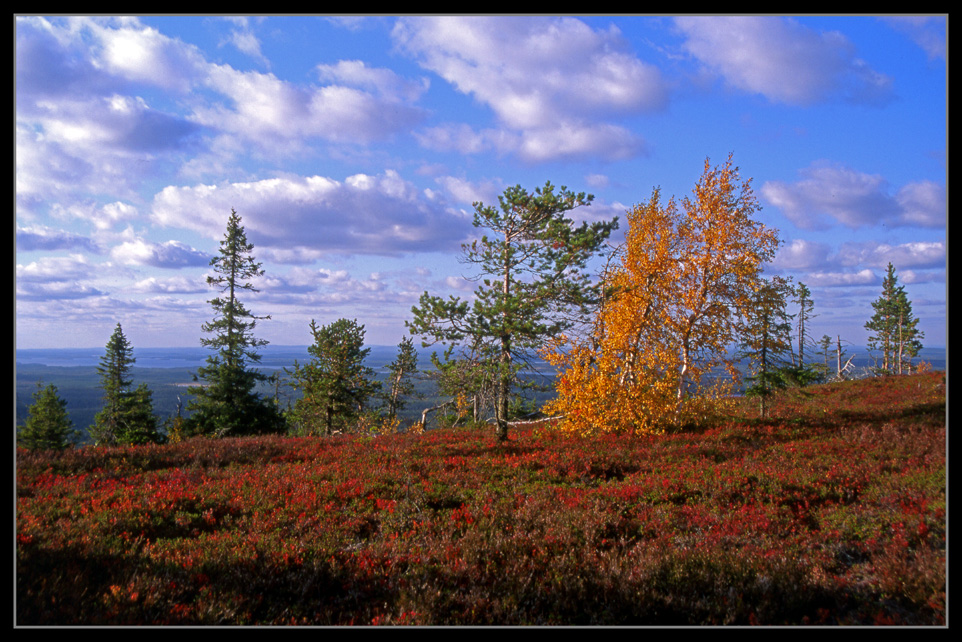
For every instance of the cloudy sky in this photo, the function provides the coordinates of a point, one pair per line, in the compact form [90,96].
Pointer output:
[353,149]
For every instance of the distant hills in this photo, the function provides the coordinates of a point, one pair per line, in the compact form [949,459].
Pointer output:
[167,370]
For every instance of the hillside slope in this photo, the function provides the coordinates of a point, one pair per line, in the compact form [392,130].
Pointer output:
[832,511]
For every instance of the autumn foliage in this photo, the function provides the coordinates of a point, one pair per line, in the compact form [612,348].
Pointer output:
[679,286]
[831,511]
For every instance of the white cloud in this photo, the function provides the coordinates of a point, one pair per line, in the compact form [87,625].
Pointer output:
[173,285]
[366,214]
[781,59]
[904,255]
[170,254]
[831,279]
[854,199]
[928,32]
[380,81]
[34,238]
[801,254]
[542,77]
[143,54]
[273,113]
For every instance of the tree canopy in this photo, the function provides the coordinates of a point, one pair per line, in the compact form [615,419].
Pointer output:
[680,286]
[532,282]
[335,385]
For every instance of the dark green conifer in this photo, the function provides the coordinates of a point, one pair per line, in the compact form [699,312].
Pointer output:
[48,426]
[227,403]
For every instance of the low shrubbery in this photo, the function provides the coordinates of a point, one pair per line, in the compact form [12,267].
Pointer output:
[830,511]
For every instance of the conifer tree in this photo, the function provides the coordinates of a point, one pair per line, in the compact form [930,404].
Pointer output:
[228,404]
[893,327]
[335,385]
[803,297]
[48,426]
[127,416]
[766,340]
[533,283]
[400,372]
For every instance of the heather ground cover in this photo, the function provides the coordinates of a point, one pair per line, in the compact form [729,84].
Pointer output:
[830,511]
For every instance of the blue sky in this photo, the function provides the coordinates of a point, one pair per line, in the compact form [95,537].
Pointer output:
[353,149]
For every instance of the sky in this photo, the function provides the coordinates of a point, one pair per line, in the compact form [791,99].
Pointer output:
[354,148]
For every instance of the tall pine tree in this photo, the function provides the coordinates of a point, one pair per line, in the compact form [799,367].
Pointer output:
[228,404]
[533,283]
[127,416]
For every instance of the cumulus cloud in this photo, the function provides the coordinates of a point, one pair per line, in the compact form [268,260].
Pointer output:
[95,113]
[173,285]
[170,254]
[365,214]
[379,81]
[800,254]
[782,60]
[44,238]
[543,78]
[272,113]
[918,254]
[830,279]
[55,277]
[831,193]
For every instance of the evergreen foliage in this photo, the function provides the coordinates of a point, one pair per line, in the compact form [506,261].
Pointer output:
[893,327]
[335,384]
[533,284]
[48,426]
[228,404]
[766,340]
[127,416]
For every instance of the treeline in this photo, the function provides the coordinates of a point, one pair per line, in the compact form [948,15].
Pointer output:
[633,348]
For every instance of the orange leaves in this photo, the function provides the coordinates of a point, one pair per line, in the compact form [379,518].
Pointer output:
[679,283]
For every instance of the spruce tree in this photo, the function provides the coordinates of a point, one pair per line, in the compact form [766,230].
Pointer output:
[893,327]
[533,284]
[227,403]
[766,340]
[48,426]
[127,416]
[335,385]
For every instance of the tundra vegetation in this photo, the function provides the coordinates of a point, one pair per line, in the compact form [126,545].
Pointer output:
[829,511]
[645,494]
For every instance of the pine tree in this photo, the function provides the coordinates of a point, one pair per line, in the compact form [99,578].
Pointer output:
[335,385]
[893,327]
[127,416]
[228,404]
[533,283]
[48,426]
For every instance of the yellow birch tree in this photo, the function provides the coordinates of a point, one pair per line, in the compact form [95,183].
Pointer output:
[679,286]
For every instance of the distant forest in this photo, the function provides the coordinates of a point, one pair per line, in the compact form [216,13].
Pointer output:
[79,385]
